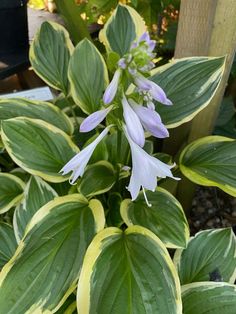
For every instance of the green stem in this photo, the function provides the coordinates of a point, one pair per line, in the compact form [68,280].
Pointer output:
[4,163]
[118,149]
[118,145]
[71,13]
[72,111]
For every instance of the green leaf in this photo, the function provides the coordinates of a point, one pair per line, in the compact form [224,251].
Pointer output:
[11,191]
[113,217]
[38,147]
[149,147]
[69,306]
[71,12]
[229,129]
[190,83]
[211,161]
[117,155]
[227,111]
[112,60]
[20,173]
[173,232]
[7,243]
[50,54]
[88,76]
[209,256]
[37,193]
[17,107]
[128,272]
[102,6]
[226,121]
[45,268]
[122,28]
[61,188]
[97,179]
[209,298]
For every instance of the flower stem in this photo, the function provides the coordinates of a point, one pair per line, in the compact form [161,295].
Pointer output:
[118,146]
[73,112]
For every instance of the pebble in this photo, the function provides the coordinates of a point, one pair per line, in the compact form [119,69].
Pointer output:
[209,207]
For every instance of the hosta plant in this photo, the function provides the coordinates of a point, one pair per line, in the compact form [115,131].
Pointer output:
[88,226]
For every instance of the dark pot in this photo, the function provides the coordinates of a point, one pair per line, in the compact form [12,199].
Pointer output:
[13,26]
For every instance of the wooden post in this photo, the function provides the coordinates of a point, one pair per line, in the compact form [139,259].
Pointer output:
[206,28]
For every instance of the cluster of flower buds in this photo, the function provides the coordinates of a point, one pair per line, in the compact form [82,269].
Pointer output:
[136,119]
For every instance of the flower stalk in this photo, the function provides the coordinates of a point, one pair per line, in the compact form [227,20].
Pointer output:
[131,117]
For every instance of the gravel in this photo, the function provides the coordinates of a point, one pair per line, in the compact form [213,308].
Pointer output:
[212,208]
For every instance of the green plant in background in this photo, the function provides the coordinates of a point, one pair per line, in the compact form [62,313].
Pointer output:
[226,121]
[36,4]
[161,17]
[42,4]
[100,238]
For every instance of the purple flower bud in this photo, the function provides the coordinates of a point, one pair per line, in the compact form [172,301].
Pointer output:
[142,82]
[122,63]
[134,45]
[132,71]
[133,123]
[111,89]
[151,45]
[158,94]
[94,119]
[150,120]
[144,37]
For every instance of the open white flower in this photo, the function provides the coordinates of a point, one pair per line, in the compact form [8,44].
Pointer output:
[145,169]
[78,163]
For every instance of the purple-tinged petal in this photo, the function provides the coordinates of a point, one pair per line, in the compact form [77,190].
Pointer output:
[145,169]
[159,131]
[168,102]
[78,163]
[94,119]
[122,63]
[151,105]
[133,123]
[111,89]
[158,94]
[134,185]
[150,120]
[134,45]
[142,82]
[132,71]
[144,37]
[151,45]
[151,65]
[145,68]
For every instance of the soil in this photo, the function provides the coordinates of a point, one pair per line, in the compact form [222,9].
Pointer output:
[212,208]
